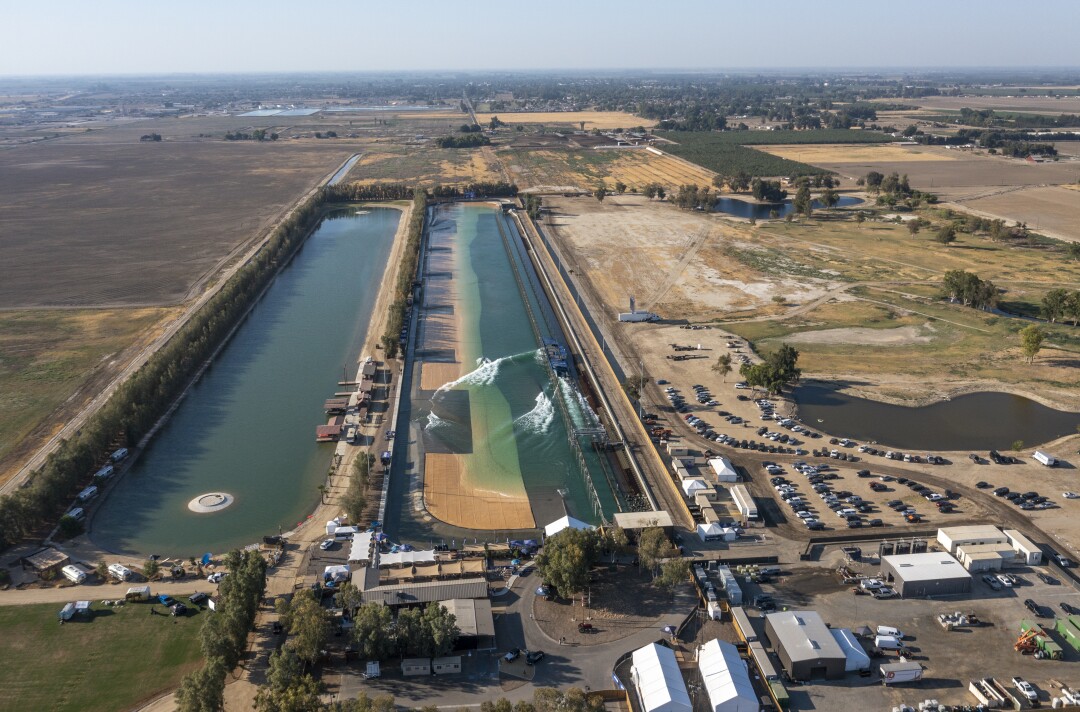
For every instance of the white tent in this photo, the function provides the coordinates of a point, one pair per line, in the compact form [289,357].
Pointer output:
[401,558]
[336,573]
[693,486]
[565,523]
[361,547]
[857,659]
[659,682]
[725,471]
[726,678]
[710,532]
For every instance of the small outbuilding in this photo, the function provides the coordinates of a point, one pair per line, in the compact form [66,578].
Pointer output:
[927,574]
[985,557]
[952,537]
[633,521]
[449,665]
[805,645]
[1026,550]
[659,682]
[857,659]
[726,678]
[415,666]
[46,562]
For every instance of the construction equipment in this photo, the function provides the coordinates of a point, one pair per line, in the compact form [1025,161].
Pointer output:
[1035,641]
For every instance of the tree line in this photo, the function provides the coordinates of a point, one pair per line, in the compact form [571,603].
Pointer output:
[140,401]
[469,140]
[223,636]
[256,135]
[410,260]
[476,189]
[1061,304]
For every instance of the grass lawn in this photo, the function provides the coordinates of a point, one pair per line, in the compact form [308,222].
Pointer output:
[113,661]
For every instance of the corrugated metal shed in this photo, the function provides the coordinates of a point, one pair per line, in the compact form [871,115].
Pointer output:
[408,593]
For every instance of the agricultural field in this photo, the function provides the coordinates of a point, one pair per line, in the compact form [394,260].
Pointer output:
[770,138]
[714,152]
[853,153]
[1050,210]
[119,658]
[1026,104]
[592,119]
[425,165]
[52,362]
[860,301]
[587,169]
[90,223]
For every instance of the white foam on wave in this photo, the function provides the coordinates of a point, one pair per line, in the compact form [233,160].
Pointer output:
[539,419]
[580,411]
[434,421]
[485,373]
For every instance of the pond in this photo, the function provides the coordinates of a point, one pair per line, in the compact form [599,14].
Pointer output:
[763,211]
[975,421]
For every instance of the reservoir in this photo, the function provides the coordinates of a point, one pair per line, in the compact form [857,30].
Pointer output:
[763,211]
[247,427]
[491,413]
[976,421]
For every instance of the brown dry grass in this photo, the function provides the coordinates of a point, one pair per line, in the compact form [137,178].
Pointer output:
[1051,210]
[592,119]
[852,153]
[637,168]
[424,165]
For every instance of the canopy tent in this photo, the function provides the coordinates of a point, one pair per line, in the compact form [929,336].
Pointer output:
[710,532]
[693,486]
[660,684]
[723,469]
[566,522]
[857,659]
[726,678]
[336,573]
[361,547]
[401,558]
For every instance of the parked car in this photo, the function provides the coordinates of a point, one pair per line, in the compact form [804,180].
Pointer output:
[1025,689]
[512,655]
[533,657]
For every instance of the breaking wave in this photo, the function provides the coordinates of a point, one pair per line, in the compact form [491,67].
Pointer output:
[582,414]
[539,419]
[485,373]
[434,421]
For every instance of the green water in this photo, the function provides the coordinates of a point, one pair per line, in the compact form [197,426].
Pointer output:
[502,416]
[248,426]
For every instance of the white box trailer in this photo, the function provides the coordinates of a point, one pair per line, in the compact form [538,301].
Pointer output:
[1044,458]
[73,574]
[744,502]
[906,671]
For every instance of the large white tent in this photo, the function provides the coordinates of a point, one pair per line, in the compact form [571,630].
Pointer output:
[723,469]
[715,532]
[726,678]
[857,659]
[361,547]
[403,558]
[565,523]
[659,682]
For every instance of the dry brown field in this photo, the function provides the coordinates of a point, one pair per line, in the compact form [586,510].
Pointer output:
[592,119]
[853,153]
[585,169]
[425,165]
[1050,210]
[97,223]
[1032,104]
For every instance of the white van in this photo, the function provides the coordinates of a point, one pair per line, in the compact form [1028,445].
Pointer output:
[73,574]
[120,571]
[87,494]
[889,630]
[78,514]
[888,642]
[119,455]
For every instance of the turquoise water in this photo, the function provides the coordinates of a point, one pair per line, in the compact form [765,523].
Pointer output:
[504,414]
[248,426]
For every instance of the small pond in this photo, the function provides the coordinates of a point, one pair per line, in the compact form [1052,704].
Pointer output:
[975,421]
[763,211]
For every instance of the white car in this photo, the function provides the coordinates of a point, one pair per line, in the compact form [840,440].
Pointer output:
[1025,689]
[216,576]
[1070,495]
[805,515]
[326,544]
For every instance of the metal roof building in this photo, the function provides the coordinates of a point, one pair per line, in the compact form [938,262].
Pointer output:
[643,520]
[805,645]
[1027,550]
[474,620]
[658,680]
[952,537]
[726,678]
[410,593]
[928,574]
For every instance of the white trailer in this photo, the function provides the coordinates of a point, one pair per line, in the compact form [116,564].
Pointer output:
[907,671]
[1044,458]
[745,503]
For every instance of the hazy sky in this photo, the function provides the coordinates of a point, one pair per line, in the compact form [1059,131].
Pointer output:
[125,36]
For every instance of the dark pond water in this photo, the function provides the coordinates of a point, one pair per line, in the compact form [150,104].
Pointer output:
[976,421]
[763,211]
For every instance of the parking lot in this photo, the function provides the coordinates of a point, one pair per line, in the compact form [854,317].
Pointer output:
[950,658]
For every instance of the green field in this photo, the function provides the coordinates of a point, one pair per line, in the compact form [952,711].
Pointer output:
[120,657]
[714,151]
[45,356]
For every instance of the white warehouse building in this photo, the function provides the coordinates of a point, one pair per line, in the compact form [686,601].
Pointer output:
[951,538]
[659,682]
[1026,550]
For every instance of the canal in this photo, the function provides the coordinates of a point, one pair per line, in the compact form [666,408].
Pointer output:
[247,427]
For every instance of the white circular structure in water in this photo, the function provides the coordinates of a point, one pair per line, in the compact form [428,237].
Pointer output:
[210,502]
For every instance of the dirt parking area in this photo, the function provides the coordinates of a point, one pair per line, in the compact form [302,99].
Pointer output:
[950,658]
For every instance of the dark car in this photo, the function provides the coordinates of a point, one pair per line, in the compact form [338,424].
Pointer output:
[1069,609]
[875,523]
[277,628]
[982,485]
[534,656]
[178,609]
[1001,491]
[198,598]
[1049,580]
